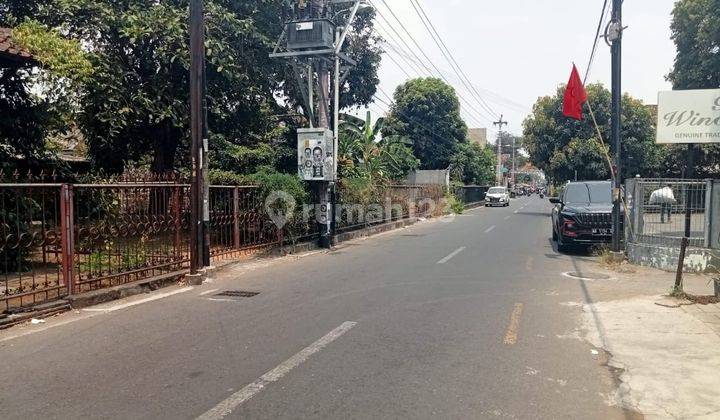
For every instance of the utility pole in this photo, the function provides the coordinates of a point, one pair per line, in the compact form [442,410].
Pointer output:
[499,174]
[199,232]
[514,167]
[323,189]
[313,45]
[615,36]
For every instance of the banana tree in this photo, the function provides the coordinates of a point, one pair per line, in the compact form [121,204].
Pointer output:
[364,152]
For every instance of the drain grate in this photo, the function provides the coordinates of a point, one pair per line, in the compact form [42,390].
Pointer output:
[237,293]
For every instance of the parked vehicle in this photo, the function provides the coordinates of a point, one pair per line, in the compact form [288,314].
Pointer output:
[497,196]
[583,214]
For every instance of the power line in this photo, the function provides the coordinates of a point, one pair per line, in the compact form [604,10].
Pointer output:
[399,66]
[382,16]
[603,16]
[400,52]
[411,63]
[497,97]
[427,57]
[428,130]
[470,116]
[442,46]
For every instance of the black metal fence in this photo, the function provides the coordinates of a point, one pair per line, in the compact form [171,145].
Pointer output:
[471,194]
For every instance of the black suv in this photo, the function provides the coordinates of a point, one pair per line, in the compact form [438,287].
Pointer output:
[583,214]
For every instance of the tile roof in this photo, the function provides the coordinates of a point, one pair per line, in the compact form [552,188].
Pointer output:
[9,50]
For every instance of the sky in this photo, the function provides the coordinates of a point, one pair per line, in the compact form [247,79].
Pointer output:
[514,51]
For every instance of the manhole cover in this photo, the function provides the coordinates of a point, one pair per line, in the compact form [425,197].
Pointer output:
[587,276]
[237,294]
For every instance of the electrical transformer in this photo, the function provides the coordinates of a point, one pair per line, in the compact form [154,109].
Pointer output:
[310,34]
[316,154]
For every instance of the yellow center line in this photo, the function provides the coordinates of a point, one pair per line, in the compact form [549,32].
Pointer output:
[511,335]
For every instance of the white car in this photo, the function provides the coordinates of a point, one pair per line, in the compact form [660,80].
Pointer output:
[497,196]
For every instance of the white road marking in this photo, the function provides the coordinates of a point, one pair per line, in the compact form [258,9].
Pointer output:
[207,292]
[490,229]
[235,400]
[141,301]
[507,217]
[452,254]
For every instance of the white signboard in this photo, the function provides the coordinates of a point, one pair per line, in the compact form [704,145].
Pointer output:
[689,116]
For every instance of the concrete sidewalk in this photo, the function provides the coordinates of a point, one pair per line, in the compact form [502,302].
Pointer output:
[665,352]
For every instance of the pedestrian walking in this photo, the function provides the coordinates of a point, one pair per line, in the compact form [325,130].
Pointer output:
[665,197]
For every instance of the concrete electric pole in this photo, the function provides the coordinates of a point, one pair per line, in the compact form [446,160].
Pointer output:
[498,174]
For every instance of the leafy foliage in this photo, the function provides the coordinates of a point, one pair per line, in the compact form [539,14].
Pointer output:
[474,164]
[556,143]
[134,109]
[697,38]
[363,153]
[34,102]
[427,111]
[453,204]
[585,158]
[696,34]
[24,122]
[271,181]
[63,57]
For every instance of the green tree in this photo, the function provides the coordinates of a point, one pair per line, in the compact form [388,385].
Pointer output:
[33,96]
[695,32]
[364,153]
[427,110]
[135,108]
[696,35]
[553,140]
[473,164]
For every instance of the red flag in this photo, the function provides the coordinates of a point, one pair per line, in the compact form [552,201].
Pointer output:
[575,96]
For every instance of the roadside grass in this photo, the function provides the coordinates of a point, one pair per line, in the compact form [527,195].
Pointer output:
[456,206]
[679,293]
[696,299]
[608,261]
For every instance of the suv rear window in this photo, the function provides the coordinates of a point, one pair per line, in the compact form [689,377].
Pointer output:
[588,193]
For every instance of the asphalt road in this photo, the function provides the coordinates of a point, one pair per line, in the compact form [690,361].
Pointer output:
[446,319]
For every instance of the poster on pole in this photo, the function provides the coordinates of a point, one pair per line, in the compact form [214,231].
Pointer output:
[689,116]
[316,154]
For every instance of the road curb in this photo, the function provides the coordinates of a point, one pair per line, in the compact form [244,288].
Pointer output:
[121,291]
[97,297]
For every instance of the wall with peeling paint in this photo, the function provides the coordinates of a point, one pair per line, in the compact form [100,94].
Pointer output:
[697,260]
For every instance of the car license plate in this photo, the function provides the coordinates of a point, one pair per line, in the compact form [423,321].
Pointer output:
[606,231]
